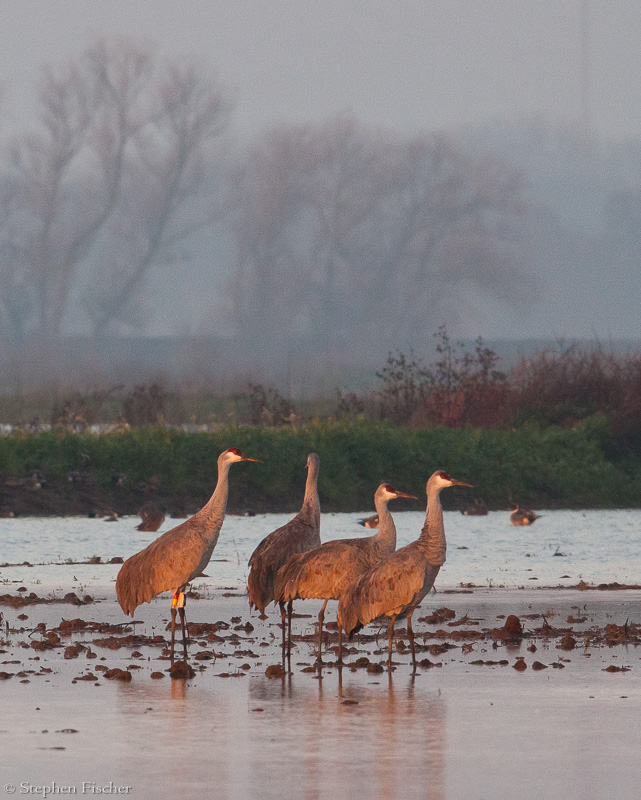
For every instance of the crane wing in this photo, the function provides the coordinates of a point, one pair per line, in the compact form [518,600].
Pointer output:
[324,572]
[166,564]
[389,587]
[297,536]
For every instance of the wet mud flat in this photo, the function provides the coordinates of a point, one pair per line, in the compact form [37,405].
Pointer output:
[518,693]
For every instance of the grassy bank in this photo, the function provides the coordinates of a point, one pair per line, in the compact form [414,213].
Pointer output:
[542,467]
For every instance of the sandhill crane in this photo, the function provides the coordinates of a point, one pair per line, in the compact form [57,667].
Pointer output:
[477,509]
[178,556]
[152,518]
[520,516]
[300,534]
[396,586]
[369,522]
[326,572]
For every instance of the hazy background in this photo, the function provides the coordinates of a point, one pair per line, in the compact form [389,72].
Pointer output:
[538,104]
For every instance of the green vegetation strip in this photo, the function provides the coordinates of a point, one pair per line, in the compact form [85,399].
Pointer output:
[544,467]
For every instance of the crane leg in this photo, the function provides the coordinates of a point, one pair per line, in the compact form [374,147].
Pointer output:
[178,604]
[281,605]
[286,625]
[290,611]
[410,633]
[321,620]
[390,636]
[340,646]
[173,631]
[183,625]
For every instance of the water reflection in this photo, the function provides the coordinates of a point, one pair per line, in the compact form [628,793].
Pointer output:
[342,736]
[411,742]
[491,733]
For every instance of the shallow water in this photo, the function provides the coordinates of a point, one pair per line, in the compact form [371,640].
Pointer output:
[593,546]
[413,739]
[458,731]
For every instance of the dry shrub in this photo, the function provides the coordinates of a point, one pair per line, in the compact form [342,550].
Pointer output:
[144,405]
[267,407]
[561,388]
[552,387]
[460,388]
[483,406]
[350,406]
[406,384]
[77,411]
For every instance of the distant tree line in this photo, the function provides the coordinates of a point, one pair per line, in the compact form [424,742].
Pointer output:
[347,239]
[343,233]
[353,237]
[116,177]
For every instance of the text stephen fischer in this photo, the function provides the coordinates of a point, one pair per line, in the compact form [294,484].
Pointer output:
[86,787]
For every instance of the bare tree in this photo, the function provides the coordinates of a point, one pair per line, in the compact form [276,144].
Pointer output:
[107,182]
[298,198]
[449,222]
[351,234]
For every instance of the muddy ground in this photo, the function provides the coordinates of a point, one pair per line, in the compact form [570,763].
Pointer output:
[552,630]
[531,694]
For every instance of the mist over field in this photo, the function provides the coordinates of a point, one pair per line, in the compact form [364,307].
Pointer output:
[283,194]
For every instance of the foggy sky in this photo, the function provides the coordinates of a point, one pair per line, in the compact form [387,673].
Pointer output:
[410,65]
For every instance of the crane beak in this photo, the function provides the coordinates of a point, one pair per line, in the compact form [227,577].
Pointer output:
[460,483]
[410,496]
[249,458]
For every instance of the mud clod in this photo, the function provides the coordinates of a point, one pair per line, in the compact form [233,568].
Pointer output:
[568,642]
[118,674]
[181,670]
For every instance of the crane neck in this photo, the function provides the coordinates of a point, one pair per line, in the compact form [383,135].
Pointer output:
[214,510]
[311,502]
[386,534]
[432,538]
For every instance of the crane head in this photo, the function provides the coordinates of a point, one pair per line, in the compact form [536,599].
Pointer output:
[442,480]
[387,492]
[313,460]
[233,454]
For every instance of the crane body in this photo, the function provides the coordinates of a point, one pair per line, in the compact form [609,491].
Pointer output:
[300,534]
[178,556]
[326,572]
[396,586]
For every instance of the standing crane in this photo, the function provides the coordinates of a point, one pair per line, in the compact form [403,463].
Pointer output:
[520,516]
[178,556]
[396,586]
[300,534]
[326,572]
